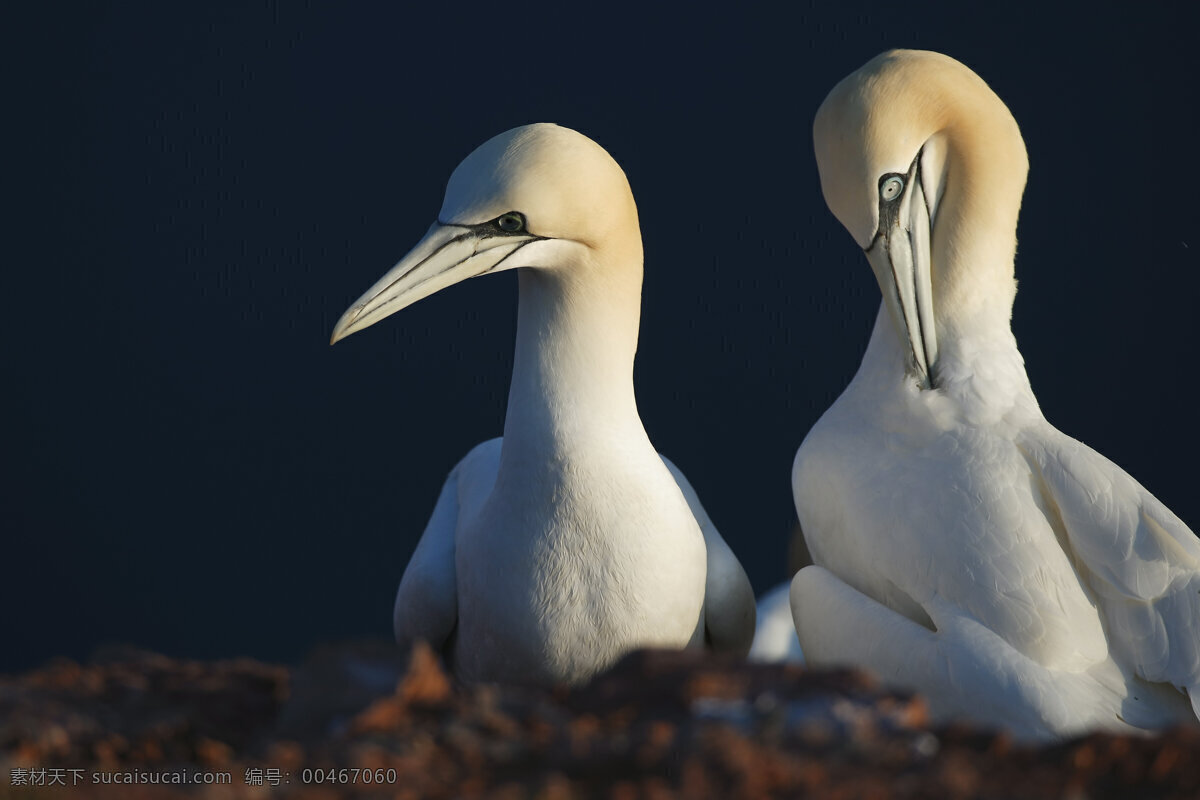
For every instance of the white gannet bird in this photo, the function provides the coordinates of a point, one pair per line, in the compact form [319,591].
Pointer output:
[555,550]
[775,632]
[775,638]
[965,547]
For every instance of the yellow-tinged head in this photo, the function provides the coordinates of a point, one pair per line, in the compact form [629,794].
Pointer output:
[924,166]
[538,196]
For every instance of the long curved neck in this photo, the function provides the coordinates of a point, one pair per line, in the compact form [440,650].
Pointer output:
[974,240]
[572,382]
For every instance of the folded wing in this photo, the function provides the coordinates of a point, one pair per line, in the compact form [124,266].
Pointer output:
[728,597]
[1141,561]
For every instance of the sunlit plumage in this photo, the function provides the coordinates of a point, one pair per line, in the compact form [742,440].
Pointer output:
[965,547]
[555,550]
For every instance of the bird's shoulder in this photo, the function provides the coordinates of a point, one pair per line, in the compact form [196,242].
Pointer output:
[461,497]
[426,604]
[1121,531]
[716,545]
[475,475]
[822,453]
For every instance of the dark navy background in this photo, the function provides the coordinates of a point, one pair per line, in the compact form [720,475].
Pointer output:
[194,196]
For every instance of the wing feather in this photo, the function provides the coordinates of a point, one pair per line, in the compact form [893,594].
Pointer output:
[427,600]
[728,598]
[1141,561]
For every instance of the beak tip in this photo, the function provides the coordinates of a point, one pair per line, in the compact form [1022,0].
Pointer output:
[345,325]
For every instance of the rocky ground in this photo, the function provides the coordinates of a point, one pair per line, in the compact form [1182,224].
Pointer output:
[353,721]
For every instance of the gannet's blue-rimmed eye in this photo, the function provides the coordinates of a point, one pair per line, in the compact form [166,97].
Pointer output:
[891,188]
[512,222]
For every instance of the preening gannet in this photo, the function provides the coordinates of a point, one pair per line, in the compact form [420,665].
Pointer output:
[965,547]
[555,550]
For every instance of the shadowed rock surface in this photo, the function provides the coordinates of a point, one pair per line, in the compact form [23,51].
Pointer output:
[658,725]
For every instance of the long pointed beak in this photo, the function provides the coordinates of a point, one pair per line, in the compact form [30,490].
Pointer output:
[447,255]
[900,259]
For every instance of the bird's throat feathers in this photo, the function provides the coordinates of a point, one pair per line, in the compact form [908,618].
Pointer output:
[573,364]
